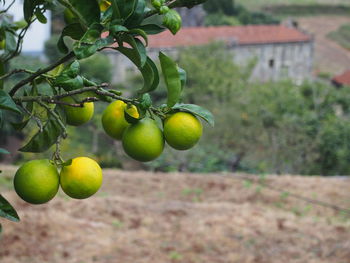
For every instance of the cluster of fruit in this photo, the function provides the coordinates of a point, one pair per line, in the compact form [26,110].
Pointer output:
[38,181]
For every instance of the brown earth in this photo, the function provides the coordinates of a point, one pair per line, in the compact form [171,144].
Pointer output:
[143,217]
[329,56]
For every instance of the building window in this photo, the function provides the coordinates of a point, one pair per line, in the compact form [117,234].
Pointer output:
[271,63]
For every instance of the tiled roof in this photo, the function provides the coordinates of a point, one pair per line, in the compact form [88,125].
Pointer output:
[343,79]
[243,35]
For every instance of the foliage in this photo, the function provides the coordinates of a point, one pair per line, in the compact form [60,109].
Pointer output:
[262,128]
[341,36]
[32,99]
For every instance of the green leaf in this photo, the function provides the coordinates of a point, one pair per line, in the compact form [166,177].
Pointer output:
[11,42]
[149,71]
[89,10]
[117,28]
[7,103]
[82,50]
[196,110]
[140,49]
[28,9]
[75,31]
[40,16]
[44,139]
[7,211]
[117,6]
[70,84]
[4,151]
[92,34]
[152,29]
[2,72]
[140,32]
[129,8]
[172,20]
[145,102]
[183,77]
[137,16]
[172,79]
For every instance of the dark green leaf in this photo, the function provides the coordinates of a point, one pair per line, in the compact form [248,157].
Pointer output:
[2,72]
[140,49]
[172,20]
[172,79]
[7,103]
[82,50]
[196,110]
[138,15]
[152,29]
[44,139]
[40,16]
[117,6]
[140,32]
[149,71]
[129,7]
[28,9]
[75,31]
[88,9]
[4,151]
[117,28]
[7,211]
[70,84]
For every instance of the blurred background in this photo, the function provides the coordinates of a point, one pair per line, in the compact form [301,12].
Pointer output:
[276,75]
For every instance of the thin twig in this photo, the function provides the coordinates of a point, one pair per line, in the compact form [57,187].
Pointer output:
[54,114]
[7,9]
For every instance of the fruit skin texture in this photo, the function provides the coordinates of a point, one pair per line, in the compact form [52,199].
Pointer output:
[182,130]
[77,116]
[143,141]
[37,181]
[81,178]
[113,120]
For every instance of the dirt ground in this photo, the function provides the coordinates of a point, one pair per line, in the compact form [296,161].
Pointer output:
[143,217]
[329,56]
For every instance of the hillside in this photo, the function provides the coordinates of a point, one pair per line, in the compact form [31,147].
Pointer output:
[142,217]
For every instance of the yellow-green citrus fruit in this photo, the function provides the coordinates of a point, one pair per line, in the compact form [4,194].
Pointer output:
[69,17]
[143,141]
[113,120]
[104,5]
[182,130]
[37,181]
[78,115]
[81,177]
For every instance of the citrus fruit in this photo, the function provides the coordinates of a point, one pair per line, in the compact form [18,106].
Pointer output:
[78,115]
[104,5]
[2,44]
[143,141]
[81,177]
[182,130]
[113,120]
[37,181]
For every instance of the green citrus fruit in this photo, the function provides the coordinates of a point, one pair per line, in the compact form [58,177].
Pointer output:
[81,177]
[182,130]
[37,181]
[2,44]
[69,17]
[113,120]
[78,115]
[143,141]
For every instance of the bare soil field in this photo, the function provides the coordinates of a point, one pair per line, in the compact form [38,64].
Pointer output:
[329,56]
[143,217]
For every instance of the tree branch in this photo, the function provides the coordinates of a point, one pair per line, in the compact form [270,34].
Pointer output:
[40,72]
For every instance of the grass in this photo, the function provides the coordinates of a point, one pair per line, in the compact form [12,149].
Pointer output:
[341,36]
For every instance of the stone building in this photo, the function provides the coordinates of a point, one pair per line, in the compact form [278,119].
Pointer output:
[281,52]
